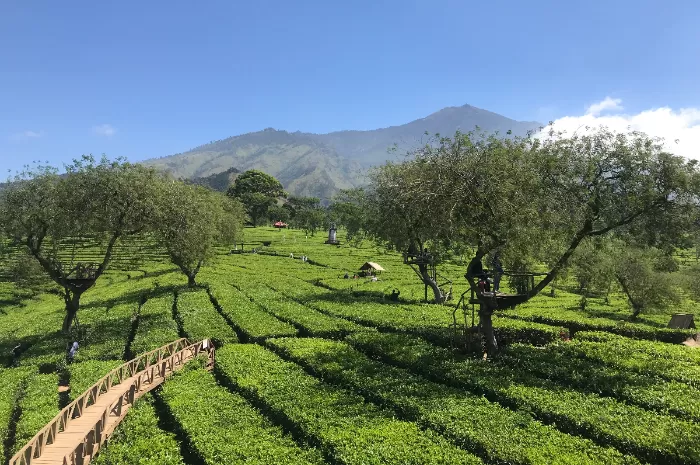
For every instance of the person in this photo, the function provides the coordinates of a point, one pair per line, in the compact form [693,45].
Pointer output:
[347,276]
[395,295]
[291,255]
[73,350]
[497,270]
[476,270]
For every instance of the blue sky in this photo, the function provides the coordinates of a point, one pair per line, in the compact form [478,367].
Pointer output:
[152,78]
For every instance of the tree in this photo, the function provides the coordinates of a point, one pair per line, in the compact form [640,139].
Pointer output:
[593,266]
[349,210]
[278,213]
[306,213]
[536,199]
[53,216]
[257,191]
[192,220]
[646,284]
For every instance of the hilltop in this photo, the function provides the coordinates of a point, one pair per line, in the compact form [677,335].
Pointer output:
[321,164]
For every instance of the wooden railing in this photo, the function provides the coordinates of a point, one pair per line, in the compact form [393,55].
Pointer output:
[147,370]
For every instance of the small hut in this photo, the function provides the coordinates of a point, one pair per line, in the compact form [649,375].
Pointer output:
[371,268]
[682,321]
[280,225]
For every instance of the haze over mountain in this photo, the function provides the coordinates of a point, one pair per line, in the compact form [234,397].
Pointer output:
[321,164]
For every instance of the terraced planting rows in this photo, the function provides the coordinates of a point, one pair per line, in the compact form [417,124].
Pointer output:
[312,368]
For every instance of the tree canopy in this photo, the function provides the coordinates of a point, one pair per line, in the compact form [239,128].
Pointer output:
[258,192]
[192,220]
[534,199]
[100,202]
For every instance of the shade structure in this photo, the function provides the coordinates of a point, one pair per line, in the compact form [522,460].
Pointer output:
[371,266]
[279,224]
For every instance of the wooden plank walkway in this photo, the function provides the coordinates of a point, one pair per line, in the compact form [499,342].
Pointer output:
[76,434]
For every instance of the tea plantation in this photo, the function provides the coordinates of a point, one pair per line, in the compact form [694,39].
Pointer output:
[315,368]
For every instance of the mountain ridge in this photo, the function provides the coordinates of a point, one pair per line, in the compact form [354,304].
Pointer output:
[320,164]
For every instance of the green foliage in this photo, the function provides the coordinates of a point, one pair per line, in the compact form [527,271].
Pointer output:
[258,192]
[39,404]
[156,326]
[576,321]
[103,202]
[498,434]
[593,266]
[349,210]
[139,441]
[645,285]
[200,320]
[306,213]
[310,320]
[650,437]
[26,272]
[223,428]
[83,375]
[12,381]
[648,358]
[340,423]
[536,199]
[572,368]
[277,213]
[192,220]
[249,318]
[105,332]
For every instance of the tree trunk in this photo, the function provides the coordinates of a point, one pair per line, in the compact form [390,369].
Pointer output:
[636,308]
[190,281]
[72,299]
[486,323]
[635,313]
[430,282]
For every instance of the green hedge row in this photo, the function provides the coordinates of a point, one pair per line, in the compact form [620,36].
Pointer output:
[342,424]
[255,323]
[498,434]
[575,322]
[39,404]
[648,436]
[106,331]
[558,364]
[83,375]
[12,381]
[675,362]
[200,319]
[223,428]
[310,320]
[428,321]
[156,326]
[139,441]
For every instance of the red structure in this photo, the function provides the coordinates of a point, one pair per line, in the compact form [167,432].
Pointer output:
[279,224]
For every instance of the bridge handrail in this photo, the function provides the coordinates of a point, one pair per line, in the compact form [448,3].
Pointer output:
[164,358]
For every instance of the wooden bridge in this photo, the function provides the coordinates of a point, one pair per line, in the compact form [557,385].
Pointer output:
[79,430]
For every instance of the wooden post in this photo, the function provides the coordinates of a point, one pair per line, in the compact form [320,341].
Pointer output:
[79,454]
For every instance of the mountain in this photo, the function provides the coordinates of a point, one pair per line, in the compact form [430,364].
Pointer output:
[370,147]
[320,164]
[219,181]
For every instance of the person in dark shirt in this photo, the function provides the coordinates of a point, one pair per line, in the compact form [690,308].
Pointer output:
[476,269]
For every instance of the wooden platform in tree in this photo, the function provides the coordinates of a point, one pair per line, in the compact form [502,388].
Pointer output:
[80,429]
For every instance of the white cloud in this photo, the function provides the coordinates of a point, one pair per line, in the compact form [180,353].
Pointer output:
[607,104]
[106,130]
[680,128]
[25,135]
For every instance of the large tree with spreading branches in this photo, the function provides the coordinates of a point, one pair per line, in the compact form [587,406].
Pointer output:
[95,203]
[534,198]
